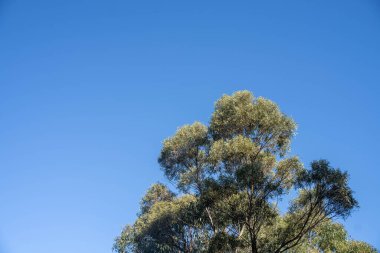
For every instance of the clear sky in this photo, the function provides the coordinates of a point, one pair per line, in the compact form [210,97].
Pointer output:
[89,89]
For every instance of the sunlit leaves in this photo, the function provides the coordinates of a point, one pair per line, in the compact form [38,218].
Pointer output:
[259,119]
[287,171]
[184,153]
[233,153]
[156,193]
[230,176]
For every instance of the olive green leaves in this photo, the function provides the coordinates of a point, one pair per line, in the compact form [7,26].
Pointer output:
[229,176]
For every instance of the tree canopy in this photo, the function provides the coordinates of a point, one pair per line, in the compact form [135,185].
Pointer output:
[229,178]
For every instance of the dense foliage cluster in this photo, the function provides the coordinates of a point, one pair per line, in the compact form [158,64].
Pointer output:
[230,176]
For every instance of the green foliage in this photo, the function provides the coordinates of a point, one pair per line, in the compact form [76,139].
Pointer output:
[183,155]
[229,177]
[157,193]
[259,119]
[331,237]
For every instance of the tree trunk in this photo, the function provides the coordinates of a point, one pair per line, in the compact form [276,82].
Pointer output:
[253,242]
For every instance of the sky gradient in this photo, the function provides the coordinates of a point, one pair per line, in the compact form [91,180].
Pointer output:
[90,89]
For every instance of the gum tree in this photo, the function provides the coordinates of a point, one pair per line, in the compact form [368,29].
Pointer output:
[229,177]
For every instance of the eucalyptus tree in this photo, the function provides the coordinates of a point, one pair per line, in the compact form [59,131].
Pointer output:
[229,177]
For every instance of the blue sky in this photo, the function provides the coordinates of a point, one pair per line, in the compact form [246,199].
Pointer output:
[89,89]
